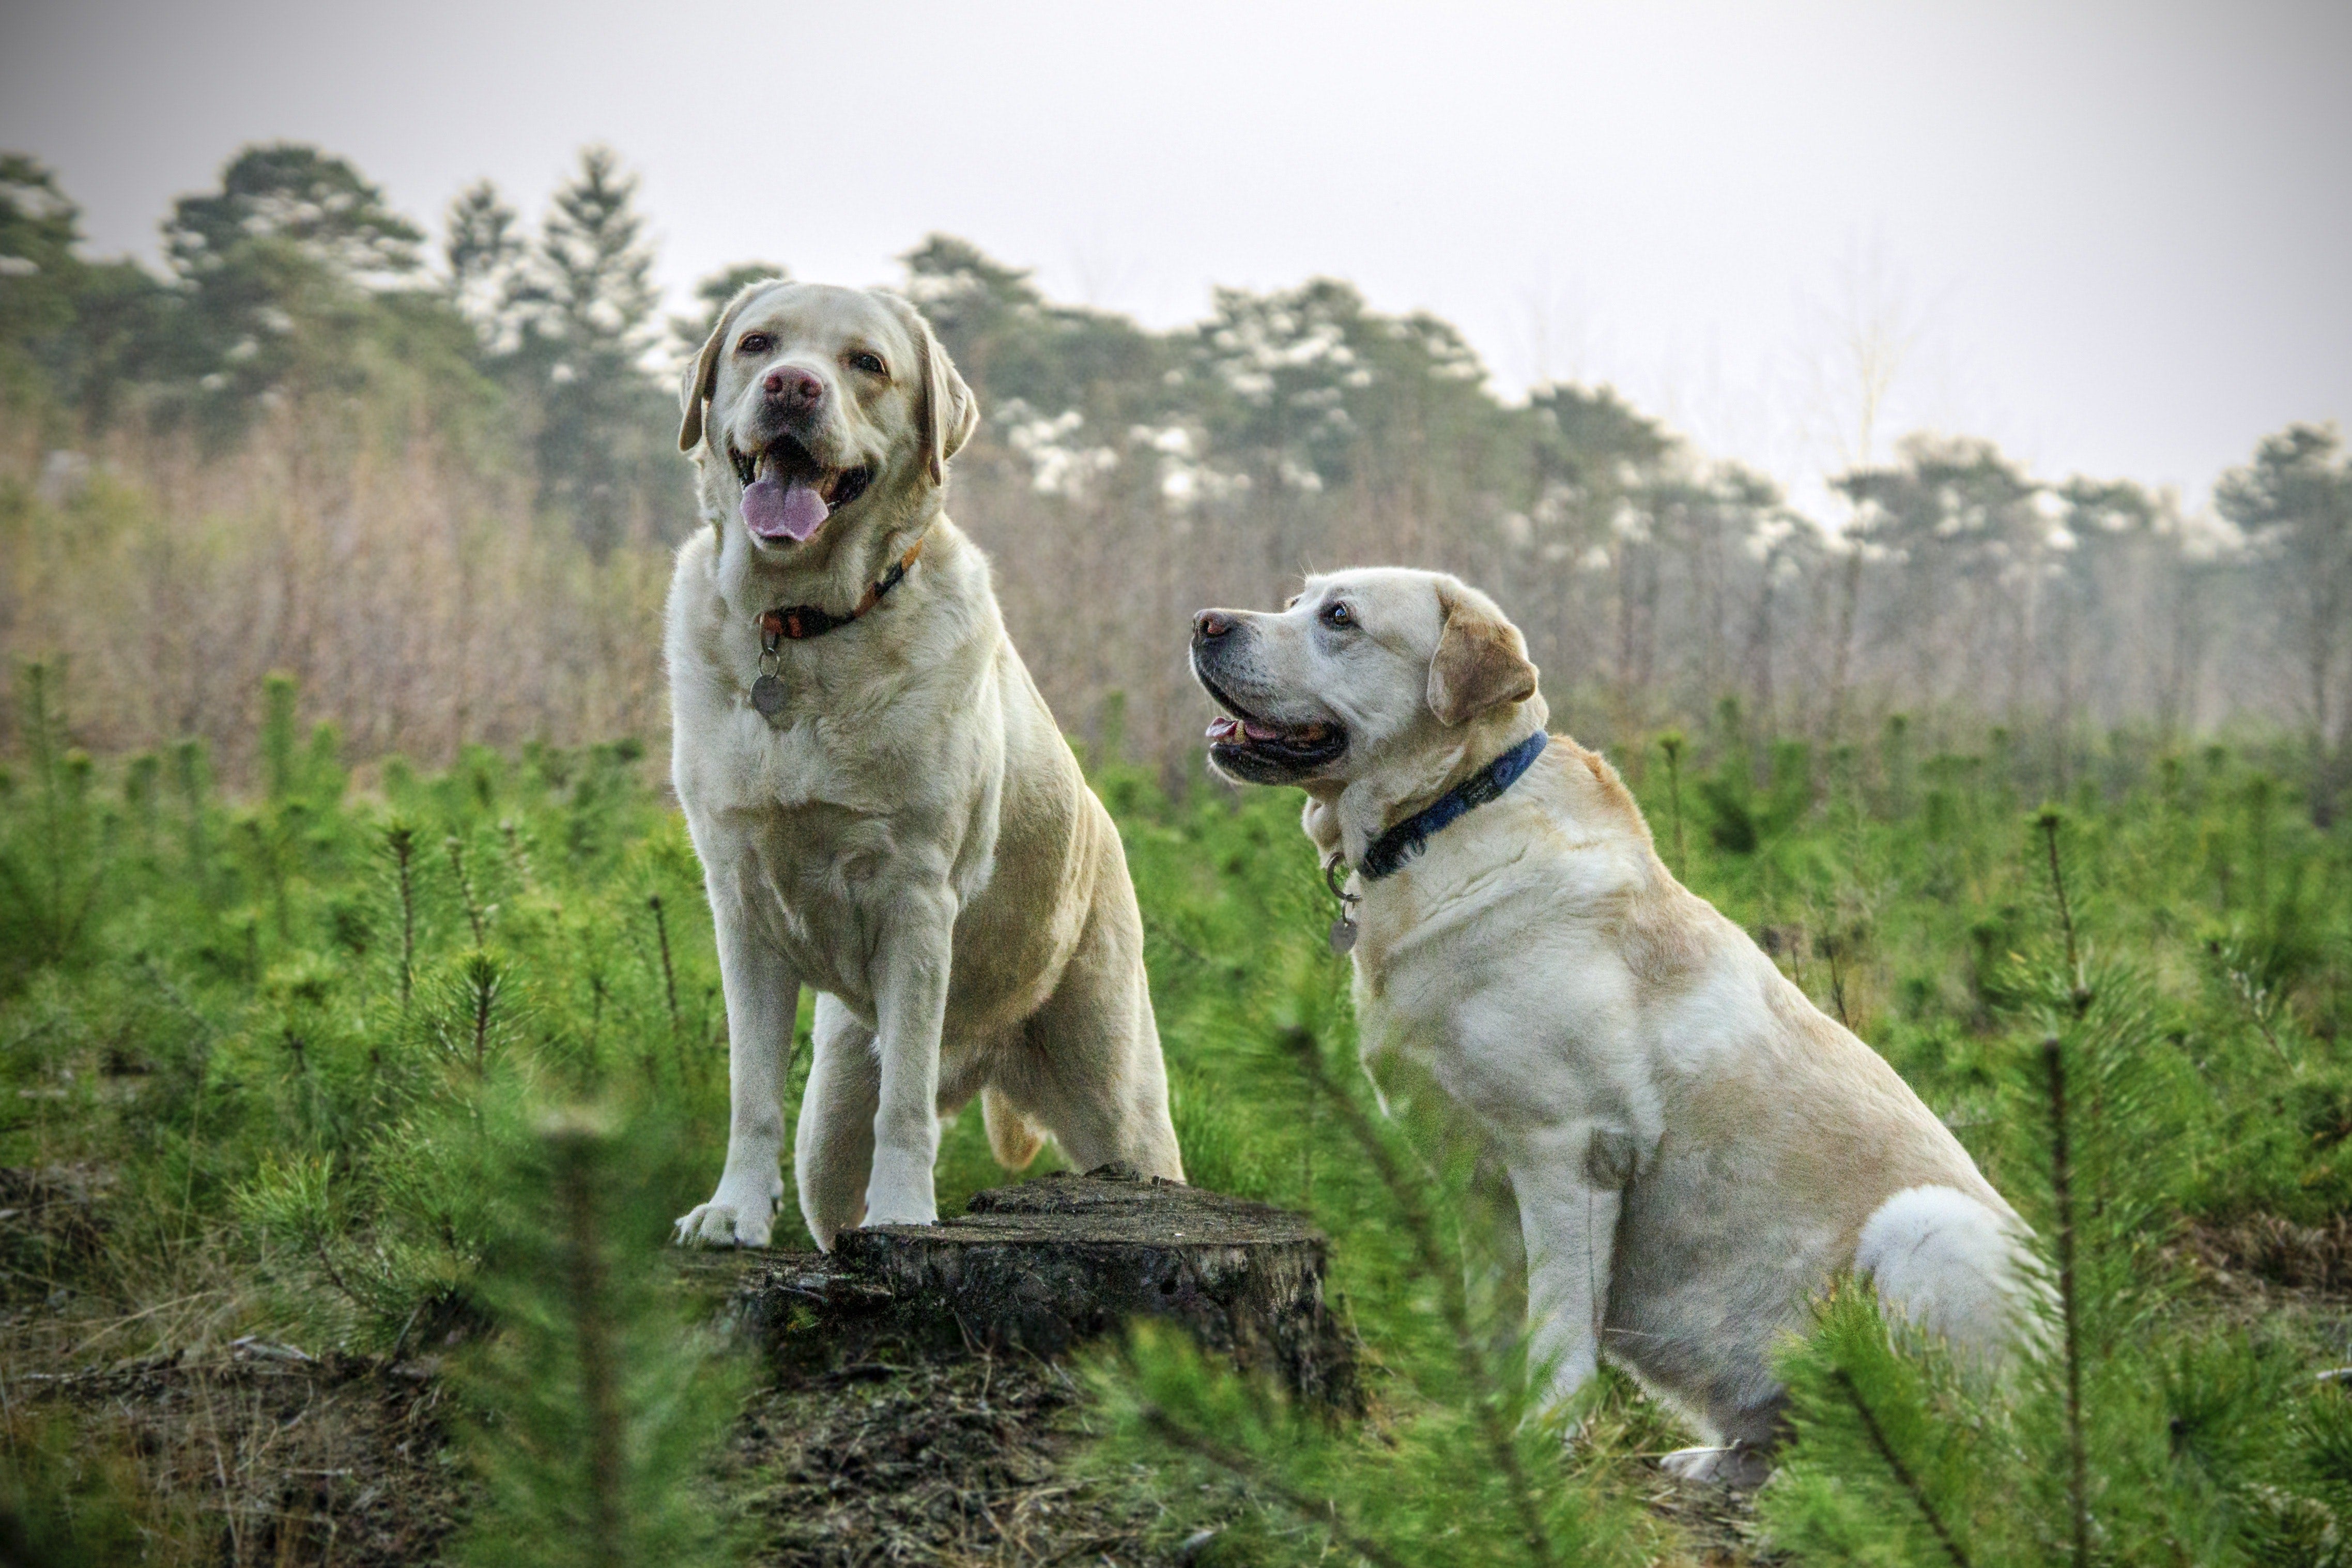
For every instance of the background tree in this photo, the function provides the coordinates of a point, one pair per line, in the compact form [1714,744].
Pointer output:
[2294,502]
[39,231]
[590,302]
[486,257]
[1957,519]
[299,196]
[274,269]
[72,331]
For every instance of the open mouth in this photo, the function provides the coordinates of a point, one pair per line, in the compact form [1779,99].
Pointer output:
[1265,748]
[788,494]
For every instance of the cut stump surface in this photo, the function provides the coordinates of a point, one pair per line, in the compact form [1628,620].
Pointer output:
[1051,1263]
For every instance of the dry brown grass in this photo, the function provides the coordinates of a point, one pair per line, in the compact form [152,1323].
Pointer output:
[399,575]
[409,591]
[390,556]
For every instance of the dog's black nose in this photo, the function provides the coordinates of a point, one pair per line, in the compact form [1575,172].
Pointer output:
[1211,625]
[797,391]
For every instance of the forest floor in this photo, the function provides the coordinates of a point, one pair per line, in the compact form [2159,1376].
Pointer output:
[960,1459]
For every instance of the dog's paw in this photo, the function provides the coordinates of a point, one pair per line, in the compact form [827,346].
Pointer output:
[1738,1466]
[899,1191]
[722,1224]
[901,1213]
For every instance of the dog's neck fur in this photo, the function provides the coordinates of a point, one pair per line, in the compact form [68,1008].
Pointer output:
[1348,817]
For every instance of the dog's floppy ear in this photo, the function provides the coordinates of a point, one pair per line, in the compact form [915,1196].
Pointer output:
[699,381]
[950,413]
[1481,661]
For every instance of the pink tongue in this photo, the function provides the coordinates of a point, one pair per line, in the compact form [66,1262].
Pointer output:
[778,512]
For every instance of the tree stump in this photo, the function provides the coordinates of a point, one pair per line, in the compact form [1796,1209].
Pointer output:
[1048,1264]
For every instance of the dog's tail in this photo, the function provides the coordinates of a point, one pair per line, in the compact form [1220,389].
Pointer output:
[1009,1137]
[1953,1266]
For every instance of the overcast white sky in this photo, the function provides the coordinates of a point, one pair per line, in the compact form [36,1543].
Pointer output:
[2117,237]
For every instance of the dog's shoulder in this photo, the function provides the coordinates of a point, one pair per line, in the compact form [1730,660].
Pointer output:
[1592,784]
[1668,937]
[694,609]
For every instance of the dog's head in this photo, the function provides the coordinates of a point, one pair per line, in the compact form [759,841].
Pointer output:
[1363,672]
[811,408]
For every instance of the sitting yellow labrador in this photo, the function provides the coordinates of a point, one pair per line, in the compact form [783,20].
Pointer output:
[1694,1149]
[885,810]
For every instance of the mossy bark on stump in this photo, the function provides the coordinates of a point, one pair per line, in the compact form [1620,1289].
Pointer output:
[1050,1263]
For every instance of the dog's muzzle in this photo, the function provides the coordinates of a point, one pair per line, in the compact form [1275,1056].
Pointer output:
[1243,742]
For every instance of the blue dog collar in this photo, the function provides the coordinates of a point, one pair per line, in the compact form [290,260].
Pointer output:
[1400,844]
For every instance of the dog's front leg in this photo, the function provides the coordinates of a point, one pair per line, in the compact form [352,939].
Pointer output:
[1568,1197]
[910,1005]
[764,1002]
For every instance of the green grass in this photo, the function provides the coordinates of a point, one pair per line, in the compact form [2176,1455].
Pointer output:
[310,1036]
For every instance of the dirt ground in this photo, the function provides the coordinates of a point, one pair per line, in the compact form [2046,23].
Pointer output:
[270,1457]
[263,1458]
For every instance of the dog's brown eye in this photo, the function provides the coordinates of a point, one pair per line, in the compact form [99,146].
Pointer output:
[870,364]
[755,343]
[1337,614]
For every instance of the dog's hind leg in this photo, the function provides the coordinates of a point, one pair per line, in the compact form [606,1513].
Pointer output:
[1088,1066]
[1009,1137]
[834,1148]
[1745,1458]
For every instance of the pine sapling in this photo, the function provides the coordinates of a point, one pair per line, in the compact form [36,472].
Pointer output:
[570,1142]
[517,853]
[476,915]
[139,781]
[277,698]
[1898,1469]
[1243,1469]
[669,978]
[400,842]
[2062,1189]
[1833,947]
[483,980]
[600,1403]
[2048,820]
[1453,1302]
[191,772]
[1671,743]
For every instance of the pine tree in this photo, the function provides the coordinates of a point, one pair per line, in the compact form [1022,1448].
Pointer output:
[590,305]
[275,270]
[75,335]
[1458,1464]
[299,196]
[485,255]
[2294,503]
[601,1403]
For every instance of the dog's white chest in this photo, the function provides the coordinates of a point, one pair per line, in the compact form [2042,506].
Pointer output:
[1520,1017]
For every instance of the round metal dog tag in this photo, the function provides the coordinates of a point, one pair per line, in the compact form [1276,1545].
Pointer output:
[1343,936]
[768,696]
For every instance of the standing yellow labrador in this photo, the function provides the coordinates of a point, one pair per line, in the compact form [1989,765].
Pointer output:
[884,809]
[1694,1149]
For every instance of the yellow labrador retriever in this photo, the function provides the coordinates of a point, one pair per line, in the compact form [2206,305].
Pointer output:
[884,809]
[1696,1149]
